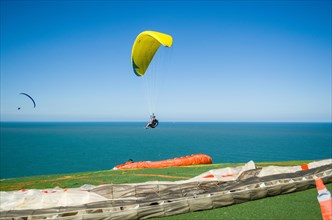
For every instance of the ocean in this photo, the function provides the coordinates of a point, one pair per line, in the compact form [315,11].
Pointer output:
[42,148]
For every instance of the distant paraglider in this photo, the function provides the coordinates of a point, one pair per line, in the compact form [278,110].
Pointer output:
[33,101]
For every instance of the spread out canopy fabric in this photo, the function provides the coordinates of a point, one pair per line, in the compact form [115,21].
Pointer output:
[145,46]
[181,161]
[213,189]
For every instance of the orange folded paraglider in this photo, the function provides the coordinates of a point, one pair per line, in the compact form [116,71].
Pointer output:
[181,161]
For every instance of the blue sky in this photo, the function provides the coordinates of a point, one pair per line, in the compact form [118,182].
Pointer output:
[230,61]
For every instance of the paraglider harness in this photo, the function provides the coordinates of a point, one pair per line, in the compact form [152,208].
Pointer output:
[153,123]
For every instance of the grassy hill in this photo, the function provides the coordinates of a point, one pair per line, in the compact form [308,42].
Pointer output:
[300,205]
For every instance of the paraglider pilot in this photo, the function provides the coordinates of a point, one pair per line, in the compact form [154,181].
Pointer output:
[153,123]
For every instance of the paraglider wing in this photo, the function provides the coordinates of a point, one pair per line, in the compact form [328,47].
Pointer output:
[34,103]
[145,46]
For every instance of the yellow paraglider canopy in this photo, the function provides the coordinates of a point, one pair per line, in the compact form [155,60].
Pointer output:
[145,47]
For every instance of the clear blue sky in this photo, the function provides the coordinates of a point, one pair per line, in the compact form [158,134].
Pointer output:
[230,61]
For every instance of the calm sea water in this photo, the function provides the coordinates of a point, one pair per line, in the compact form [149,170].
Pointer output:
[49,148]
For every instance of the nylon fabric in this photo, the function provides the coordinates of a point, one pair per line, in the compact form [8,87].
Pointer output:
[145,46]
[182,161]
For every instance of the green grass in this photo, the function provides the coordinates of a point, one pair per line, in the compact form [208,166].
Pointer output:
[300,205]
[107,177]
